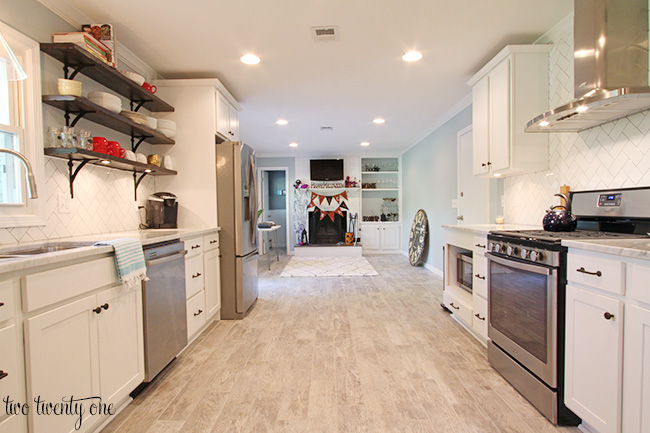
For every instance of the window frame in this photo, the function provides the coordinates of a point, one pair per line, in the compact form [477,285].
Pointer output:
[32,212]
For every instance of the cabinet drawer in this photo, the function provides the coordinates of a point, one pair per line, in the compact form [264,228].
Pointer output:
[13,424]
[49,287]
[458,307]
[637,286]
[479,317]
[195,314]
[479,279]
[194,246]
[598,272]
[210,241]
[479,245]
[11,384]
[6,300]
[193,275]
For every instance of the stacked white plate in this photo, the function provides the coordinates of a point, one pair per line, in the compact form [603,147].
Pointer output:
[151,122]
[136,117]
[167,127]
[106,100]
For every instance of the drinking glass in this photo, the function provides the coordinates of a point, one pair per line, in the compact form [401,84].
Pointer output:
[69,137]
[53,137]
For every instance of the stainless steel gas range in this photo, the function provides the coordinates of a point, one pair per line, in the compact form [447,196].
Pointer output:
[526,293]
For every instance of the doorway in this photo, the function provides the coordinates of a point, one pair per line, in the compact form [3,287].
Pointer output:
[274,202]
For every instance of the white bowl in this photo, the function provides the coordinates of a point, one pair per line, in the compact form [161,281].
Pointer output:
[137,78]
[97,96]
[141,157]
[166,124]
[68,87]
[111,106]
[130,155]
[168,132]
[167,162]
[152,122]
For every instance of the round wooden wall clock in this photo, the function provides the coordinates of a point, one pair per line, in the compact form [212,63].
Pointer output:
[418,237]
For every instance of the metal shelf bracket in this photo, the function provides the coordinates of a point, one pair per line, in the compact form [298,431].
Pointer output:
[134,145]
[73,174]
[137,180]
[77,69]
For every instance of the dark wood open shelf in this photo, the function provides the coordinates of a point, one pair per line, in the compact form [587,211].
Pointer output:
[98,114]
[75,154]
[81,61]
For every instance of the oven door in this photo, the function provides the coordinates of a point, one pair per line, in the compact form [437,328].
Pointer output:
[522,314]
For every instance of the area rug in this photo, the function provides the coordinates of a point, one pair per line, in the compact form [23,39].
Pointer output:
[328,267]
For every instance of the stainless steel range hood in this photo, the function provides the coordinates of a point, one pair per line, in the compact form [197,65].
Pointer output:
[610,65]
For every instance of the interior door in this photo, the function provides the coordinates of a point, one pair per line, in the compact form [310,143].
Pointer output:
[473,191]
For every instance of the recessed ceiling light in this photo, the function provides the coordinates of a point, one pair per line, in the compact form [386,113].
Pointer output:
[282,122]
[364,143]
[412,56]
[293,144]
[544,123]
[250,59]
[378,121]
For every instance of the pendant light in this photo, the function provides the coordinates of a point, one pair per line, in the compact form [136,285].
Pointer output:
[8,60]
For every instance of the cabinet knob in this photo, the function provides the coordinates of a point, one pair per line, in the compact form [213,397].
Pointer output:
[97,310]
[478,316]
[197,275]
[483,164]
[2,304]
[489,163]
[105,306]
[198,312]
[459,218]
[608,315]
[479,276]
[453,306]
[3,374]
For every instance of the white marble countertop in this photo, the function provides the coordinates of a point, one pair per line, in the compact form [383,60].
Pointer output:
[86,249]
[636,248]
[483,229]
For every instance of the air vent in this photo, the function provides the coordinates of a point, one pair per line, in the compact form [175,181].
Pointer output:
[327,128]
[325,34]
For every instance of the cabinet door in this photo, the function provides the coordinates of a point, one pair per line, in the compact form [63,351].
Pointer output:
[212,281]
[480,126]
[121,347]
[13,384]
[390,237]
[193,275]
[61,360]
[499,122]
[233,122]
[223,113]
[594,358]
[636,398]
[370,237]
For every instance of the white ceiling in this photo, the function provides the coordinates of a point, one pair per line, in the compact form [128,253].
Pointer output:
[343,84]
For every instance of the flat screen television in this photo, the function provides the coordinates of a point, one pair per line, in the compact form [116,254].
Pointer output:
[326,169]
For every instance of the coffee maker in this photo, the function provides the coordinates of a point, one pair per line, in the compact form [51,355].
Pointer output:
[162,210]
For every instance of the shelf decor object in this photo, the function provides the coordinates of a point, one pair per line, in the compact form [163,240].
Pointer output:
[85,157]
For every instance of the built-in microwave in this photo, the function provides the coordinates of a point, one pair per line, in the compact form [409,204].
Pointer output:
[464,271]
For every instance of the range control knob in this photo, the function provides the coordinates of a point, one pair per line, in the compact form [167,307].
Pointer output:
[535,256]
[496,248]
[524,253]
[512,251]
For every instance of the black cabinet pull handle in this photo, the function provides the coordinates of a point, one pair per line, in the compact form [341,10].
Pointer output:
[483,164]
[608,315]
[197,313]
[198,274]
[97,310]
[213,242]
[583,271]
[478,316]
[479,245]
[2,304]
[479,277]
[3,374]
[453,306]
[105,306]
[196,246]
[489,163]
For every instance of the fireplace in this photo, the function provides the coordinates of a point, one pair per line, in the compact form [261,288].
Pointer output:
[324,231]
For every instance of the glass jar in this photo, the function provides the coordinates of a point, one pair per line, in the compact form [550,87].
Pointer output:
[53,137]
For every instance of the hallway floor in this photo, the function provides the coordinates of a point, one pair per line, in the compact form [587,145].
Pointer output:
[335,355]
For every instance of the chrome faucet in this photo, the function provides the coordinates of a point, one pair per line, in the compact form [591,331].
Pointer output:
[31,181]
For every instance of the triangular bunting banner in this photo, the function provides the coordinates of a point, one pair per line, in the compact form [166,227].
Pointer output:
[329,199]
[337,197]
[344,206]
[345,194]
[322,215]
[339,211]
[313,196]
[331,215]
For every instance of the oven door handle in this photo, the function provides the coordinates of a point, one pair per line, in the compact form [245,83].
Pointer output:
[537,269]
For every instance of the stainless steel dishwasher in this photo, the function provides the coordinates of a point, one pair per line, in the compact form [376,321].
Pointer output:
[163,303]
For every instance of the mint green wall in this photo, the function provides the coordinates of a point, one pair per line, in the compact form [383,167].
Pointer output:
[32,18]
[429,182]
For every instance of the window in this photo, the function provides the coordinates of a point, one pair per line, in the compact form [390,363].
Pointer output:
[21,129]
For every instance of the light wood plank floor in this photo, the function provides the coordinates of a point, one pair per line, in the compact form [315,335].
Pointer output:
[365,354]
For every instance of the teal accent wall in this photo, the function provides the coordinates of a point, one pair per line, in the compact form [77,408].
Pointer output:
[429,182]
[291,163]
[33,19]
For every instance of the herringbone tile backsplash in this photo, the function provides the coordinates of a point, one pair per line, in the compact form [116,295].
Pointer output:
[614,155]
[103,202]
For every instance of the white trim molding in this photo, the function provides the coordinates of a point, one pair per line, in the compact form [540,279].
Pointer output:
[427,266]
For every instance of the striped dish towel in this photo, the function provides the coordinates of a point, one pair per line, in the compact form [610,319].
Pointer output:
[129,260]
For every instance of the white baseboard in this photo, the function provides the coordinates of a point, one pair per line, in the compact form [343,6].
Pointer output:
[427,266]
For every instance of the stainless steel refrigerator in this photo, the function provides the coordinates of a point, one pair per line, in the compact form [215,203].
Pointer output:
[237,212]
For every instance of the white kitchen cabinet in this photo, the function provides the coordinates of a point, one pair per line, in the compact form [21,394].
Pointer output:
[227,118]
[507,92]
[193,275]
[636,385]
[380,238]
[212,279]
[594,358]
[12,381]
[196,315]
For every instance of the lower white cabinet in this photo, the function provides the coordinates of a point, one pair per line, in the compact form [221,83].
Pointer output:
[594,357]
[212,279]
[636,385]
[378,237]
[12,381]
[91,347]
[196,315]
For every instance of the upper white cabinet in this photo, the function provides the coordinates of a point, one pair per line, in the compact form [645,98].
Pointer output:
[227,117]
[507,92]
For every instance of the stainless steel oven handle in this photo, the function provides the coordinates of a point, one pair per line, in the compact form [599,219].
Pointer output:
[537,269]
[165,259]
